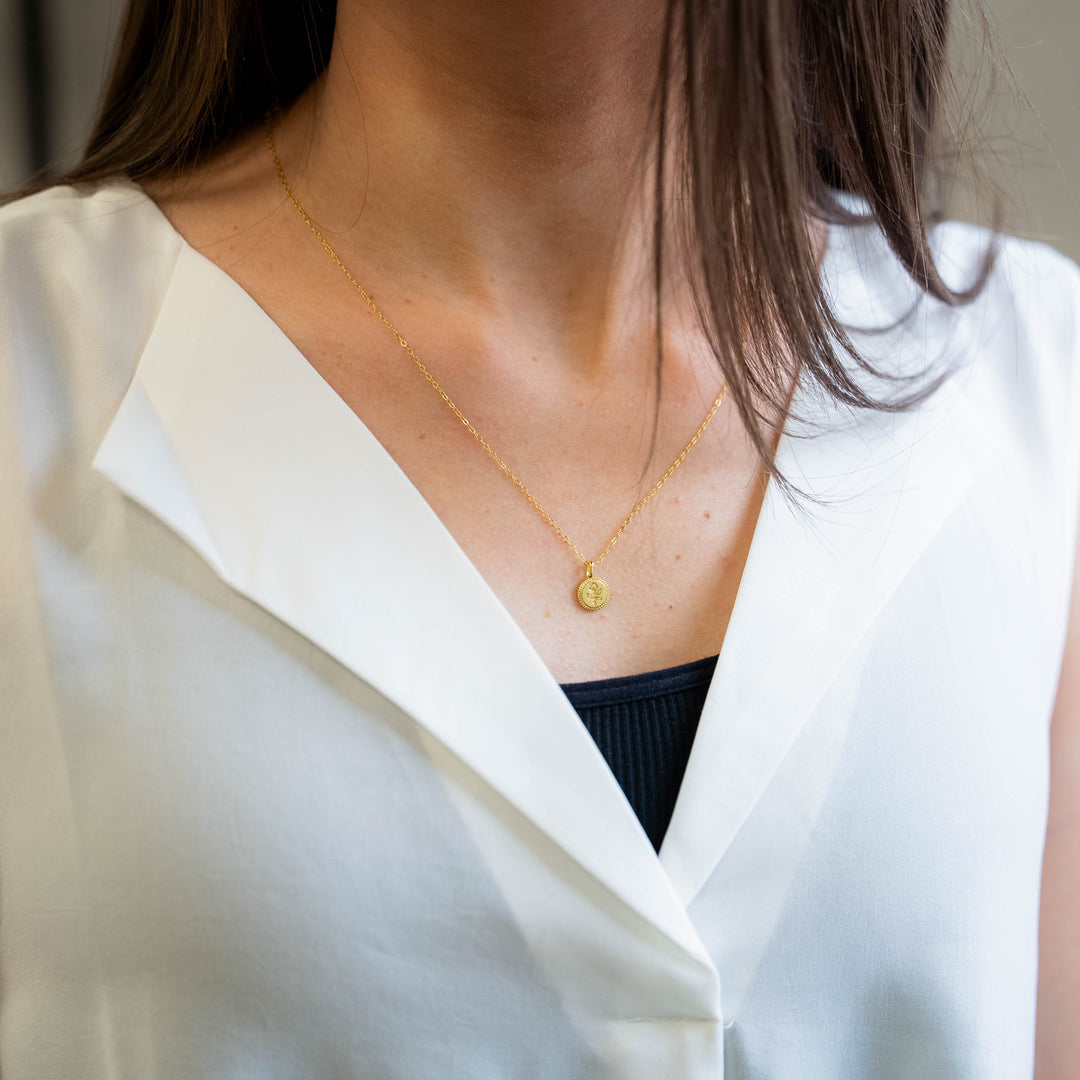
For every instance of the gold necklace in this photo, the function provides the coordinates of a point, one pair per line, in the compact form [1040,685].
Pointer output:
[592,592]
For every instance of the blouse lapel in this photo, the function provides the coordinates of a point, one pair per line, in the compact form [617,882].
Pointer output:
[231,438]
[814,582]
[810,592]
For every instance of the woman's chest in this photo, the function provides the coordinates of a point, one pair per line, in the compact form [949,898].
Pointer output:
[575,484]
[557,464]
[247,856]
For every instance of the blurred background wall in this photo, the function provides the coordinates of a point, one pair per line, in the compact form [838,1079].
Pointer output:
[54,57]
[53,61]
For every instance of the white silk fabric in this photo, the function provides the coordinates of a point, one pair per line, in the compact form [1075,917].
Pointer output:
[285,792]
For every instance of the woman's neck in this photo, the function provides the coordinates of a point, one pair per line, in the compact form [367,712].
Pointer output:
[495,155]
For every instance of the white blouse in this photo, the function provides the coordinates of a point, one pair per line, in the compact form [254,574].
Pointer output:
[285,792]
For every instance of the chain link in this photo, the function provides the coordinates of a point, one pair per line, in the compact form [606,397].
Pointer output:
[457,412]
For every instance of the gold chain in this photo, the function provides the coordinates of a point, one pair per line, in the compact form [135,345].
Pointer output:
[591,597]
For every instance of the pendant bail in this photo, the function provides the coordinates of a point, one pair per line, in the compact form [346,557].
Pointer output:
[588,569]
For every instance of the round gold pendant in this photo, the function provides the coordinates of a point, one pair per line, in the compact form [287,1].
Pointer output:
[593,592]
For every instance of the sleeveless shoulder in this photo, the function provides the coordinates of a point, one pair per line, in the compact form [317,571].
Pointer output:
[1022,372]
[83,271]
[110,232]
[1015,347]
[1033,288]
[1025,330]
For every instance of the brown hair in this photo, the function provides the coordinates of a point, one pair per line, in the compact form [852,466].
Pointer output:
[783,103]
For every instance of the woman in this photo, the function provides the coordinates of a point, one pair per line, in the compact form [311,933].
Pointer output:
[446,694]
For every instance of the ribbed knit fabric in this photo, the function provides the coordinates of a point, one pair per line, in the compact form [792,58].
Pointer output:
[644,726]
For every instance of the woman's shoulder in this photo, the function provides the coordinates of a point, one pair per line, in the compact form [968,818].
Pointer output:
[83,272]
[1025,322]
[1022,321]
[97,234]
[86,262]
[1029,276]
[1025,275]
[1028,313]
[1022,368]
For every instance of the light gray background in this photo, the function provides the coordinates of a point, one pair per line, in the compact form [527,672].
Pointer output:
[1034,154]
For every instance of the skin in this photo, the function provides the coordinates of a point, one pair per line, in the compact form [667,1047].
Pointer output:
[474,164]
[1057,1041]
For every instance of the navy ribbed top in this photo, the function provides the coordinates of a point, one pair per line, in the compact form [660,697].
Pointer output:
[644,726]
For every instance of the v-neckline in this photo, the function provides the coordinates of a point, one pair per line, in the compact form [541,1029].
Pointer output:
[235,441]
[798,400]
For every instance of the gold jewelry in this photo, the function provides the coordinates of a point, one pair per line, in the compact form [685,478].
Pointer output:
[593,592]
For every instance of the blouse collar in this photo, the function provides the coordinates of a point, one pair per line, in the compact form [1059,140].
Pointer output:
[229,436]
